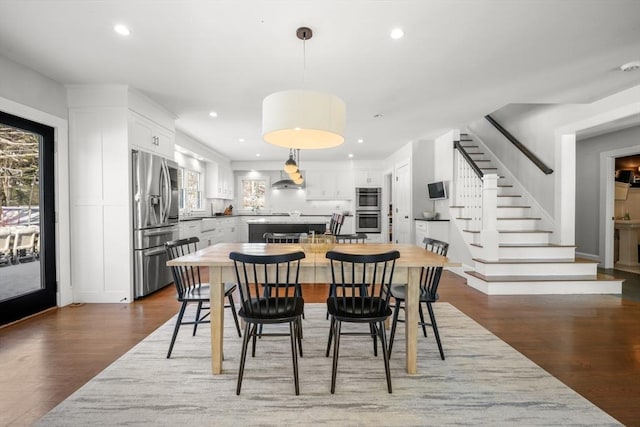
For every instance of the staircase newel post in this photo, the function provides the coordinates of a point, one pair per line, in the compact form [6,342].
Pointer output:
[489,231]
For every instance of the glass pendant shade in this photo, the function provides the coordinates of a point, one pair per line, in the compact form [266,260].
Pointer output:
[290,165]
[299,180]
[303,119]
[295,174]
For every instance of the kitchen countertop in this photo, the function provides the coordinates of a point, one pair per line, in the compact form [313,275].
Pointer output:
[284,221]
[194,218]
[424,219]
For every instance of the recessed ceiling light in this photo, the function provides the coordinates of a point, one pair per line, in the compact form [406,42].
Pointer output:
[122,29]
[213,114]
[350,155]
[240,139]
[631,66]
[396,33]
[257,154]
[360,141]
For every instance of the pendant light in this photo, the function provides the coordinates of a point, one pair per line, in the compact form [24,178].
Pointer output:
[302,118]
[290,165]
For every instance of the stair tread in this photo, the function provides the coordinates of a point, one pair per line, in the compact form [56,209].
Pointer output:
[508,218]
[528,245]
[504,186]
[550,278]
[536,261]
[508,195]
[513,231]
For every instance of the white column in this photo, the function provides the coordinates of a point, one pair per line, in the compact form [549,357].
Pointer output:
[489,232]
[565,194]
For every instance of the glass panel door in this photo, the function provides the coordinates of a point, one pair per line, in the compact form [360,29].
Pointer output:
[27,229]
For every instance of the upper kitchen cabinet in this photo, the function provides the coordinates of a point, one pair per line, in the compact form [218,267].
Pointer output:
[150,136]
[368,178]
[219,181]
[329,185]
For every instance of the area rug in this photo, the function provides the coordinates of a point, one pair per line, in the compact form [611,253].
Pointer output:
[483,381]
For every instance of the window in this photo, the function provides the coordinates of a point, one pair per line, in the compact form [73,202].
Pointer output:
[254,193]
[190,194]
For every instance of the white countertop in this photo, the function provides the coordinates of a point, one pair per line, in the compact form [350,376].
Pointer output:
[284,220]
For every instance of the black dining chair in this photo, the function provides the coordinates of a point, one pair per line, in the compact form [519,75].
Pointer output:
[429,281]
[259,309]
[351,238]
[281,237]
[191,290]
[335,224]
[349,273]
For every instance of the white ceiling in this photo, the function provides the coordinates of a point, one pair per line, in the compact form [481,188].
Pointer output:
[459,59]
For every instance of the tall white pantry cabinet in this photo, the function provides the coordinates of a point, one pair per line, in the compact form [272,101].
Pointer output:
[105,123]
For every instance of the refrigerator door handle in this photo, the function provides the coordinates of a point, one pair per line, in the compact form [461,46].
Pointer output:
[154,252]
[159,233]
[163,192]
[169,192]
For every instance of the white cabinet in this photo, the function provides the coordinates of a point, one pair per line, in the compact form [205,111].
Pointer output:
[190,228]
[329,185]
[374,238]
[438,230]
[368,178]
[105,122]
[150,136]
[219,181]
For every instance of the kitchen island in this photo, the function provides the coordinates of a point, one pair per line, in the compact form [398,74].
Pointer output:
[257,227]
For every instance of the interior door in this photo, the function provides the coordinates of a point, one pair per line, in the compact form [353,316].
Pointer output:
[27,218]
[402,200]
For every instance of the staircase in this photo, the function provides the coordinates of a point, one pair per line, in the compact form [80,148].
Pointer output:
[510,239]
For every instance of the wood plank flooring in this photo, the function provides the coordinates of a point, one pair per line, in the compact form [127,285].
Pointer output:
[591,343]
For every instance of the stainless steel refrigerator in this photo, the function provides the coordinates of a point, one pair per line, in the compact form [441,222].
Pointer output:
[155,219]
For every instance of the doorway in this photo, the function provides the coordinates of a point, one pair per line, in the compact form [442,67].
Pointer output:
[27,218]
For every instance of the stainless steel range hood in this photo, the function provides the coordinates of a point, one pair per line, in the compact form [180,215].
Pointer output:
[286,184]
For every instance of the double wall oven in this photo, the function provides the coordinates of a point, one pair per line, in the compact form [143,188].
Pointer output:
[368,210]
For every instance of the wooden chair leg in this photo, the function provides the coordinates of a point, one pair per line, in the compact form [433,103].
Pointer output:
[396,311]
[383,341]
[422,323]
[197,319]
[243,356]
[177,327]
[336,347]
[331,330]
[294,354]
[235,315]
[434,325]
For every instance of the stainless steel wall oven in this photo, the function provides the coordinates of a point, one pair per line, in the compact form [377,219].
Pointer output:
[368,199]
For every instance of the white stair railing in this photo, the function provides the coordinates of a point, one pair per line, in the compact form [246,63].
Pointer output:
[477,194]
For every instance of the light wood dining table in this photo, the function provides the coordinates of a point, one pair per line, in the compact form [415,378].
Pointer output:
[314,268]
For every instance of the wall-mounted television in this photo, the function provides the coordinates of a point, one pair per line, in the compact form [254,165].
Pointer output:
[437,190]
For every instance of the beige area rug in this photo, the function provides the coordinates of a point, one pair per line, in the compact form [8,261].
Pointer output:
[483,381]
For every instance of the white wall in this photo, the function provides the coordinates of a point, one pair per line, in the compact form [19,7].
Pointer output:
[539,128]
[28,94]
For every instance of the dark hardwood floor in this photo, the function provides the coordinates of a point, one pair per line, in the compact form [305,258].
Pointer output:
[591,343]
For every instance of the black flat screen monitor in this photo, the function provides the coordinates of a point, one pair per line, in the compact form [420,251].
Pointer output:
[437,190]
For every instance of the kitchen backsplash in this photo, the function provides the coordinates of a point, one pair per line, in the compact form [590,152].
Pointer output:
[283,201]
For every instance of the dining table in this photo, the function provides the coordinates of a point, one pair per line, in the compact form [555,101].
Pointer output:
[314,268]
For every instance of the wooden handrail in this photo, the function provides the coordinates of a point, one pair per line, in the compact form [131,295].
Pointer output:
[536,161]
[467,157]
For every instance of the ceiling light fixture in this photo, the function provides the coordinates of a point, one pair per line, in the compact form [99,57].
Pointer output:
[396,33]
[213,114]
[360,141]
[630,66]
[122,30]
[290,166]
[303,118]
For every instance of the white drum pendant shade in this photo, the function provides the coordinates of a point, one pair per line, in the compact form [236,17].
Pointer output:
[303,119]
